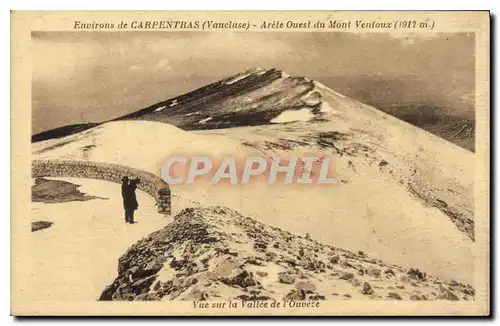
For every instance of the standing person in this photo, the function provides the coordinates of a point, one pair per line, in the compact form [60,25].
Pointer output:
[125,196]
[132,200]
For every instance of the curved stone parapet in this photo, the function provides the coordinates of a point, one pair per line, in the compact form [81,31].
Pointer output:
[150,183]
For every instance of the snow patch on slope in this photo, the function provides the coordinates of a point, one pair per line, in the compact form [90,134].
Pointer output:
[312,98]
[284,75]
[160,108]
[237,79]
[303,114]
[246,74]
[205,120]
[327,108]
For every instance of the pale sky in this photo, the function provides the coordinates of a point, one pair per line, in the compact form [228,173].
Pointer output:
[93,76]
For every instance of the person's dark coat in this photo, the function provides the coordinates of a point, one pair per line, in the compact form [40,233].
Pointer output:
[131,202]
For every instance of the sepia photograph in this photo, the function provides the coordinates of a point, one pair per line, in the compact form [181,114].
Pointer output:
[254,166]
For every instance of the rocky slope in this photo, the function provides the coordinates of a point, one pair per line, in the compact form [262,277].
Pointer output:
[214,253]
[57,191]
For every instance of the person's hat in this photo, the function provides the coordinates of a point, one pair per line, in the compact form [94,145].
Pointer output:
[124,179]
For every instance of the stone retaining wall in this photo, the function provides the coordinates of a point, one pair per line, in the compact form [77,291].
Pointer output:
[151,184]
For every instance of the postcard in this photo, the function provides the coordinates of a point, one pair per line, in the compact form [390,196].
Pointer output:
[259,163]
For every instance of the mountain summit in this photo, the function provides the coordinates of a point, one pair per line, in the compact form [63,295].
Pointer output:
[254,97]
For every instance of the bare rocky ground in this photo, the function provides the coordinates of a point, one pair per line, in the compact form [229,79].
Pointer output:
[57,191]
[214,253]
[40,225]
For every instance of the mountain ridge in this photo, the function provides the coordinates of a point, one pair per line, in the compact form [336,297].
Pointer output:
[252,97]
[455,130]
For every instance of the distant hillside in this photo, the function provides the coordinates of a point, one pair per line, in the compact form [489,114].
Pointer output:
[62,131]
[409,100]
